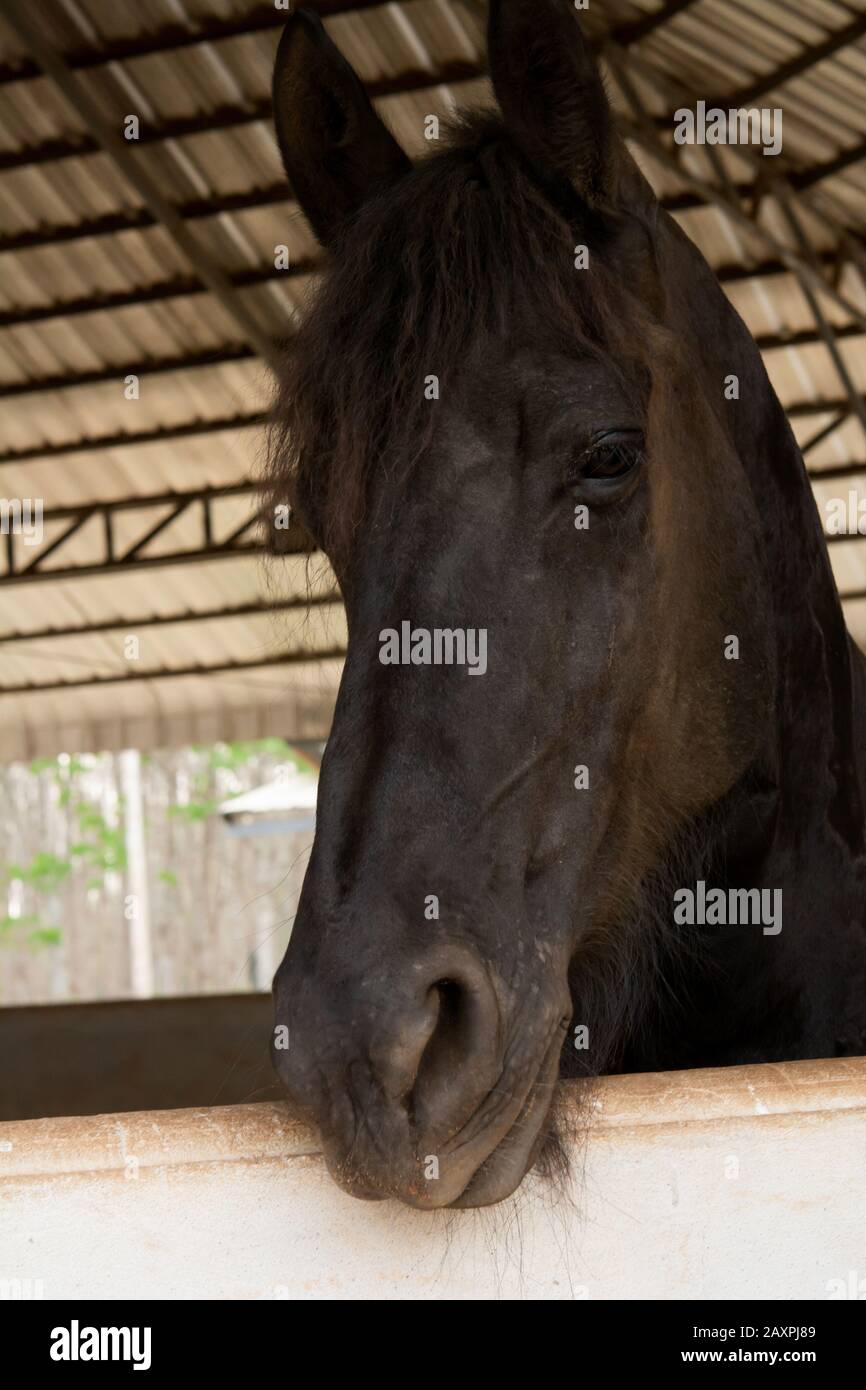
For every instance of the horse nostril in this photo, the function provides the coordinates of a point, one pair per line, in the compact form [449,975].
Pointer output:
[458,1064]
[446,1046]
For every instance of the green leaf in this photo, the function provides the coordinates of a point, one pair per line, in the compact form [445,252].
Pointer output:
[193,811]
[30,919]
[42,765]
[45,871]
[45,936]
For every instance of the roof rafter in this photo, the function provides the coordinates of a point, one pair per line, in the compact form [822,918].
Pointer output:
[799,410]
[122,439]
[802,62]
[169,38]
[828,334]
[711,194]
[119,151]
[179,287]
[99,376]
[840,473]
[131,677]
[261,607]
[24,565]
[229,117]
[139,219]
[833,215]
[638,29]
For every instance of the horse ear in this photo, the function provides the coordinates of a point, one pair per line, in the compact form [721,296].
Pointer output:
[335,149]
[551,94]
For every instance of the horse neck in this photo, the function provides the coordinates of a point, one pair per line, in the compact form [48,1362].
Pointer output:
[815,748]
[821,685]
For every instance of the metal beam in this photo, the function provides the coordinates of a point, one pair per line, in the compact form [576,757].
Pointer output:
[226,117]
[807,178]
[799,410]
[295,658]
[838,474]
[244,610]
[122,439]
[710,194]
[409,80]
[804,61]
[640,129]
[25,567]
[828,334]
[139,219]
[178,287]
[802,261]
[833,214]
[113,144]
[76,510]
[638,29]
[192,556]
[148,366]
[824,432]
[170,38]
[805,337]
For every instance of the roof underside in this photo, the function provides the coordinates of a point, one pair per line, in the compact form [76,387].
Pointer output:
[156,258]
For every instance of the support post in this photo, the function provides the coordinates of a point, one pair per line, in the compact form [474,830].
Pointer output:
[138,898]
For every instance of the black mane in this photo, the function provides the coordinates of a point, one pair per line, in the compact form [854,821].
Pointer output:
[467,246]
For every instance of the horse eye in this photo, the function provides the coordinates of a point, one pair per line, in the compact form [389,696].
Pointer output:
[609,457]
[610,461]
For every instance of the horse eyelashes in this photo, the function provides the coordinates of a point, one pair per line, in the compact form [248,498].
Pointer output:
[608,458]
[610,461]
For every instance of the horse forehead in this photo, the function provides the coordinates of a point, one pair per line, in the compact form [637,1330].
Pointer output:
[536,393]
[510,422]
[567,379]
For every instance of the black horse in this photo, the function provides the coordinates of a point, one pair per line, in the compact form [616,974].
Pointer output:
[491,430]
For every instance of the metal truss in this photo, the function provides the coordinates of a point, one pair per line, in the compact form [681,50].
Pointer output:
[24,567]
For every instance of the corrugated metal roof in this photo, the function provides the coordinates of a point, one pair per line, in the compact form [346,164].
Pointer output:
[91,286]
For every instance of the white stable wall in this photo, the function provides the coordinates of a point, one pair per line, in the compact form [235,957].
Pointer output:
[743,1182]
